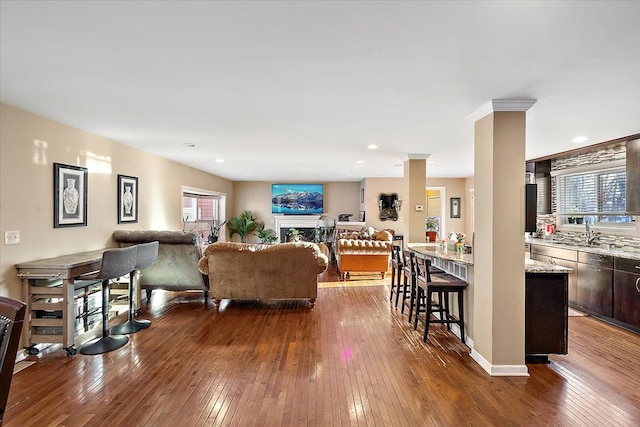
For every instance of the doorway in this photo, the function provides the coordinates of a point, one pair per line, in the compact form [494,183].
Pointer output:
[436,211]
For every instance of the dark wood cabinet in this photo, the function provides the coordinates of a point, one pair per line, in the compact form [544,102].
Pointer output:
[595,283]
[546,314]
[626,292]
[563,257]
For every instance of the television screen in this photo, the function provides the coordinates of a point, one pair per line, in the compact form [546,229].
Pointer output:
[296,199]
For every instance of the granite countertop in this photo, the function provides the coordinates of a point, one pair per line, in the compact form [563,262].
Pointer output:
[533,266]
[433,249]
[530,266]
[592,249]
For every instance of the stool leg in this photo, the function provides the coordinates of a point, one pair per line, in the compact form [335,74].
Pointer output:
[393,278]
[404,293]
[107,342]
[427,315]
[461,313]
[131,326]
[446,309]
[412,300]
[398,292]
[419,297]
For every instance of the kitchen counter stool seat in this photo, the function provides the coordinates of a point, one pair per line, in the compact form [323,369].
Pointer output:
[147,255]
[115,263]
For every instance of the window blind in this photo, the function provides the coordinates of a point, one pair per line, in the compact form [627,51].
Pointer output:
[594,193]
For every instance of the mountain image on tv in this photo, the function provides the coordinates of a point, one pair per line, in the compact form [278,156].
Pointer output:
[297,199]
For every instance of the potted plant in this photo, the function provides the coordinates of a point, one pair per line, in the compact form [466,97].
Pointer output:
[214,231]
[432,229]
[296,236]
[267,236]
[243,225]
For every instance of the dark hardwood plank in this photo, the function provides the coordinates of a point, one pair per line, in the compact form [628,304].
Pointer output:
[352,360]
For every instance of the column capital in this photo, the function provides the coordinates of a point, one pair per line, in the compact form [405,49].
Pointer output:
[417,156]
[496,105]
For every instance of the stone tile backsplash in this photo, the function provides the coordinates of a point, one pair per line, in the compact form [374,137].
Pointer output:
[603,155]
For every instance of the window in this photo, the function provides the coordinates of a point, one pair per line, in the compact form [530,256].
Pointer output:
[598,196]
[198,207]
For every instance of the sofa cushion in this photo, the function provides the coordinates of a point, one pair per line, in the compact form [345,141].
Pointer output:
[275,252]
[363,247]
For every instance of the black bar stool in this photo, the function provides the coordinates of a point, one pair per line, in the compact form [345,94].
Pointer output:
[443,286]
[418,301]
[396,271]
[115,263]
[147,255]
[409,280]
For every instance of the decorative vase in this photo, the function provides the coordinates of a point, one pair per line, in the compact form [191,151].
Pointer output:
[70,197]
[459,248]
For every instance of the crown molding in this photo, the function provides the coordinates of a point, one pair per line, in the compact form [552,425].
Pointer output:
[417,156]
[496,105]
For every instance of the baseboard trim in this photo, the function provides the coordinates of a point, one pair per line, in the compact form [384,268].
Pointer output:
[499,370]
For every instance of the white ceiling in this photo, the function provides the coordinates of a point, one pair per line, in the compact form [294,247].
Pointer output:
[295,91]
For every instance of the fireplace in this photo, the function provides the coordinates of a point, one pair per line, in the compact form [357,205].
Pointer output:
[306,234]
[305,224]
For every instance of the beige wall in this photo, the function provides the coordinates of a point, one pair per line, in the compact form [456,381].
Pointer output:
[454,187]
[373,187]
[26,184]
[255,196]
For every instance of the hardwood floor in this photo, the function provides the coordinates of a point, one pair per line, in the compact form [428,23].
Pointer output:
[352,360]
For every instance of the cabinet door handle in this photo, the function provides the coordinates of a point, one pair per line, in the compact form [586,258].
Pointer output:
[638,284]
[637,267]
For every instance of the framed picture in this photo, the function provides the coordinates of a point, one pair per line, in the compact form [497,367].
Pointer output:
[69,196]
[455,207]
[127,199]
[361,216]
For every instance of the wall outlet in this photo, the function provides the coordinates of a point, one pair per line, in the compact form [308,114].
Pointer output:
[12,237]
[419,208]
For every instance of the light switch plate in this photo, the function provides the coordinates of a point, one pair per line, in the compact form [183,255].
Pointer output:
[12,237]
[419,208]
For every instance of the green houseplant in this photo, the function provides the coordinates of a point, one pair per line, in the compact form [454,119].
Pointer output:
[267,236]
[243,225]
[214,231]
[431,226]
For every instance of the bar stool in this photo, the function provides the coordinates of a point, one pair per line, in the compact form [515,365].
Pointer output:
[445,285]
[147,255]
[396,271]
[115,263]
[418,301]
[409,280]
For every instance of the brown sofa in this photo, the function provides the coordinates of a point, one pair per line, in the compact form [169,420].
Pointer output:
[176,268]
[363,252]
[246,271]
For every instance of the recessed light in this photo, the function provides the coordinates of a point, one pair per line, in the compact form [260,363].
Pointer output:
[219,160]
[372,146]
[580,139]
[189,145]
[360,162]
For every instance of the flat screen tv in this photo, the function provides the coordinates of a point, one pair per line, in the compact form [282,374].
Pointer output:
[297,199]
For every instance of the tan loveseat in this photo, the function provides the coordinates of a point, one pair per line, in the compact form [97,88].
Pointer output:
[246,271]
[363,252]
[176,268]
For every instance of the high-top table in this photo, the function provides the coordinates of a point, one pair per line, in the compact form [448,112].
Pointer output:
[48,285]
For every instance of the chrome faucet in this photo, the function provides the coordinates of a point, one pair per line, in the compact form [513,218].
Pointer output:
[590,236]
